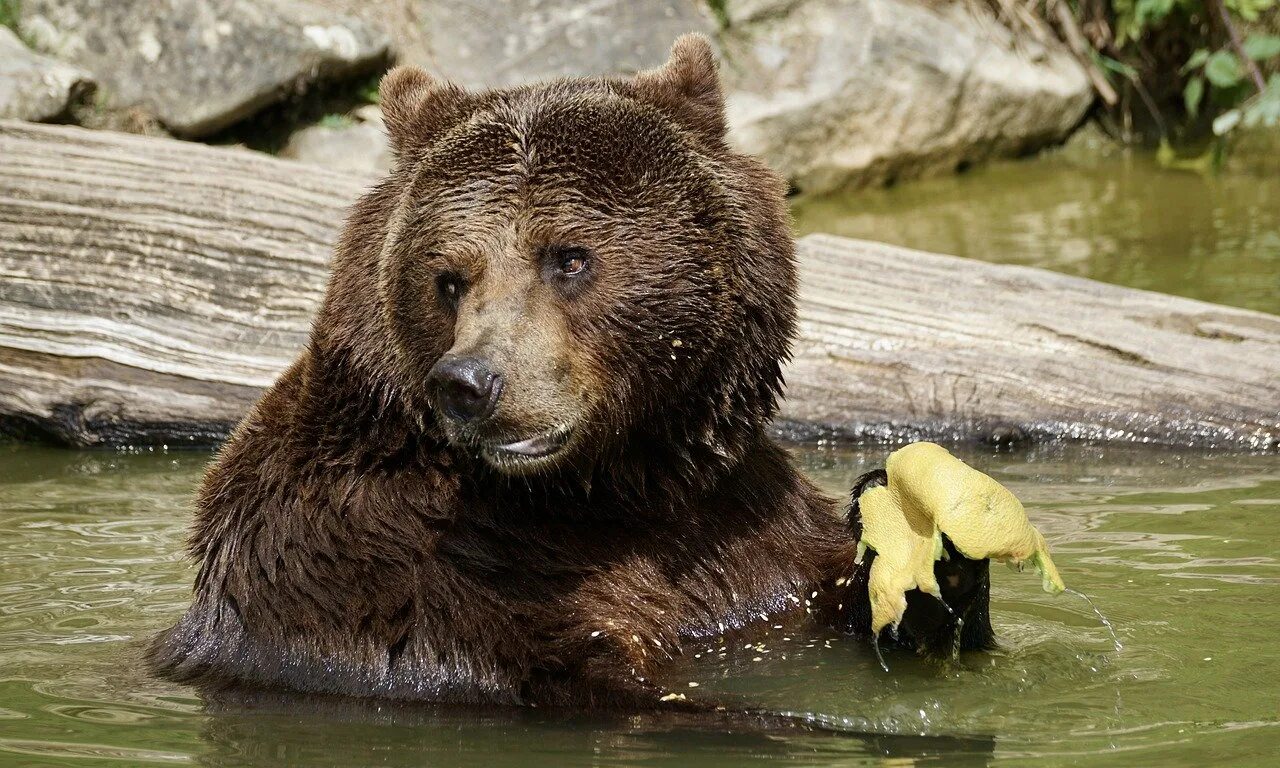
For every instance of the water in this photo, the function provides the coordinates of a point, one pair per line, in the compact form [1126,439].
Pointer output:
[1178,550]
[1096,211]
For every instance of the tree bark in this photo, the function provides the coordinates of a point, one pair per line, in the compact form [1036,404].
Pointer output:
[150,289]
[898,344]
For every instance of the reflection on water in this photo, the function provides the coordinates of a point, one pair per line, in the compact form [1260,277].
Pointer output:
[1096,211]
[1178,549]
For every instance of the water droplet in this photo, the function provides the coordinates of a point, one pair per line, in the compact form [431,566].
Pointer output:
[875,645]
[1105,621]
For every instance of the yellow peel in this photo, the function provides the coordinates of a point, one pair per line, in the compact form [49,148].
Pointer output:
[932,492]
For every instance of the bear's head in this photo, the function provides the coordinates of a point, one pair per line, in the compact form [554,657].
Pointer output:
[575,273]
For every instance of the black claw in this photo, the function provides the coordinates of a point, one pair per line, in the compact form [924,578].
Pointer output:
[876,478]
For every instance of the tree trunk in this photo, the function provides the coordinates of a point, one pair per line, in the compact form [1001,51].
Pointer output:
[150,289]
[897,344]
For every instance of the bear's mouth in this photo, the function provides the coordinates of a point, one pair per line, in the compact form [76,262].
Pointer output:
[529,449]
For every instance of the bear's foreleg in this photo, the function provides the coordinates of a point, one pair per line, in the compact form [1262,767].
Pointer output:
[961,620]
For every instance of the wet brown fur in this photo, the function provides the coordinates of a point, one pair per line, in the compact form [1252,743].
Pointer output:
[351,541]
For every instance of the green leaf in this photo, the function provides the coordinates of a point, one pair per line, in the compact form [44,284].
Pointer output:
[1193,94]
[336,121]
[1223,123]
[1250,10]
[1147,12]
[10,13]
[1223,70]
[1119,67]
[1196,61]
[1262,47]
[1264,109]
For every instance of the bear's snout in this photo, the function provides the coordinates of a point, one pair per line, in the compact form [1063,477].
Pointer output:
[466,388]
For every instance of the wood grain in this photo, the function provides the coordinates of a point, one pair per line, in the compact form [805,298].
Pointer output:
[150,289]
[897,344]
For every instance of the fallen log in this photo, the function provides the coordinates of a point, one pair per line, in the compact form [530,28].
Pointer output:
[150,289]
[897,344]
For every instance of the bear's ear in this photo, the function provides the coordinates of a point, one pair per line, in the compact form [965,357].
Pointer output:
[687,87]
[417,108]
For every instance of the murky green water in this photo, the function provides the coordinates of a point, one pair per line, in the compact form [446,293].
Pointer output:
[1178,549]
[1093,210]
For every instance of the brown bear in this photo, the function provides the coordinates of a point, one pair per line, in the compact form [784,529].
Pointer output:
[524,458]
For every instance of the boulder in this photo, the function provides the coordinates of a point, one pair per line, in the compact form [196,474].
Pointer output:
[848,93]
[487,43]
[152,288]
[200,65]
[833,93]
[484,43]
[508,42]
[352,146]
[35,87]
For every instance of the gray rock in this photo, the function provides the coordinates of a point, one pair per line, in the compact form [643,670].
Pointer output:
[846,93]
[739,12]
[35,87]
[401,19]
[354,147]
[489,43]
[506,42]
[833,93]
[200,65]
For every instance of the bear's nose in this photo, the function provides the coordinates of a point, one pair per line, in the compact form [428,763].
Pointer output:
[466,388]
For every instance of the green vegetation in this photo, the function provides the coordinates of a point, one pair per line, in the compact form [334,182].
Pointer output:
[336,121]
[368,92]
[1184,70]
[720,10]
[9,14]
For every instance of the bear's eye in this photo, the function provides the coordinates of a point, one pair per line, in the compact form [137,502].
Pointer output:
[449,286]
[568,268]
[571,262]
